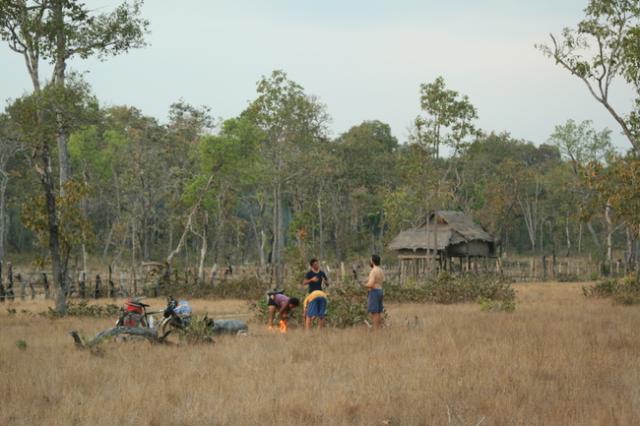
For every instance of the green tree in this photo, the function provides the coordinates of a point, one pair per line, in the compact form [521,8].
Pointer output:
[448,118]
[291,122]
[602,48]
[58,30]
[10,147]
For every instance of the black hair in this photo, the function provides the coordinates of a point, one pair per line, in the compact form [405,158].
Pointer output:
[294,301]
[375,259]
[312,261]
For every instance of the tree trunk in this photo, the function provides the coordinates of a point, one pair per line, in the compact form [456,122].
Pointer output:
[594,237]
[3,191]
[58,265]
[59,79]
[321,225]
[187,229]
[631,246]
[203,250]
[278,235]
[530,222]
[567,235]
[580,238]
[610,231]
[260,238]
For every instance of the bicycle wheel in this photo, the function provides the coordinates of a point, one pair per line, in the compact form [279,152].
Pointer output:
[168,331]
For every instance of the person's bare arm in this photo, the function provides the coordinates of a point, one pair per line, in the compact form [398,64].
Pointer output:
[309,280]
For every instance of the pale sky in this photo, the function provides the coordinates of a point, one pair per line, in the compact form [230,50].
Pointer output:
[365,59]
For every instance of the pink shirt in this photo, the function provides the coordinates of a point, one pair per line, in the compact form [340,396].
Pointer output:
[281,300]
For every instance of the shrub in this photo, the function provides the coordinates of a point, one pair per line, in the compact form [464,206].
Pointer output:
[567,278]
[348,305]
[248,288]
[447,289]
[84,309]
[487,305]
[625,291]
[200,330]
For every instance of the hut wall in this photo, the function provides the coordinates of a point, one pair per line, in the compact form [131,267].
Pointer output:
[471,249]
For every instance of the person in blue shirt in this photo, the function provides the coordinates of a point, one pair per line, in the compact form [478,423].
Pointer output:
[315,277]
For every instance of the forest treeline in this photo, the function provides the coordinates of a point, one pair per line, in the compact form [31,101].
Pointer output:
[80,179]
[272,182]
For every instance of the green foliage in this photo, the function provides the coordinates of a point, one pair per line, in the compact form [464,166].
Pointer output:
[84,309]
[248,288]
[347,307]
[200,330]
[487,305]
[22,345]
[625,291]
[448,289]
[74,227]
[449,117]
[602,47]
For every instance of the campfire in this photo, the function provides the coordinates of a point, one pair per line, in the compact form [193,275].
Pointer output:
[282,326]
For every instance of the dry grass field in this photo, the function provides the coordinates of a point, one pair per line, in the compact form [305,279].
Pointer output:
[559,359]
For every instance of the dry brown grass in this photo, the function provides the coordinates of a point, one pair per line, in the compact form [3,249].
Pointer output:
[559,359]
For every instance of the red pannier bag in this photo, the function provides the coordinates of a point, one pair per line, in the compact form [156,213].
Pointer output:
[134,312]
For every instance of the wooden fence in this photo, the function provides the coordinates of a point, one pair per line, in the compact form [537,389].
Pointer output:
[25,283]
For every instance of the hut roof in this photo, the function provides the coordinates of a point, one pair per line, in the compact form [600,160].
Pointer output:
[451,227]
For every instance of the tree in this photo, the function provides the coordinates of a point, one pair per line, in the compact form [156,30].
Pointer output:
[602,48]
[582,146]
[52,216]
[618,183]
[291,122]
[449,117]
[368,156]
[10,146]
[57,30]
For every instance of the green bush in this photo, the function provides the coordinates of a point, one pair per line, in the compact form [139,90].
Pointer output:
[348,305]
[200,330]
[84,309]
[625,291]
[497,305]
[448,289]
[249,288]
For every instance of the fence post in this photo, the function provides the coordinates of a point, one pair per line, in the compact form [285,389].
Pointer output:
[1,285]
[112,286]
[83,285]
[97,293]
[23,287]
[122,285]
[45,284]
[9,291]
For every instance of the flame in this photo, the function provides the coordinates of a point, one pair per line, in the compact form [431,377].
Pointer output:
[282,326]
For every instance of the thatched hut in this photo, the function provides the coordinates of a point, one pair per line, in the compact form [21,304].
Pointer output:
[444,236]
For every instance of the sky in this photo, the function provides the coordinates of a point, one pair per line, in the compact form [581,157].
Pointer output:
[365,59]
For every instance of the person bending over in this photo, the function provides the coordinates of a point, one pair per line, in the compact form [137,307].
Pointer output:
[282,304]
[315,308]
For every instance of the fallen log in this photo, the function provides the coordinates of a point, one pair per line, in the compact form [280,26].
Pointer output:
[230,326]
[149,334]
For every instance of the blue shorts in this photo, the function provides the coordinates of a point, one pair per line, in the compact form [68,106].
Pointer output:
[317,308]
[374,301]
